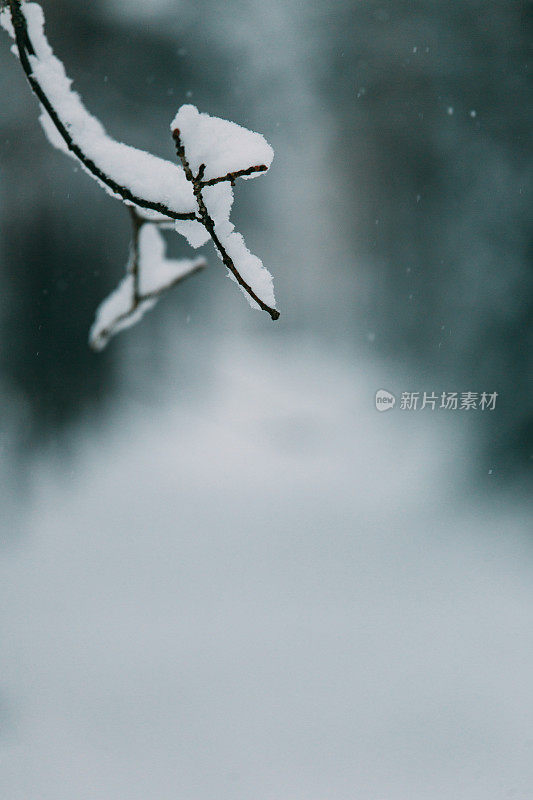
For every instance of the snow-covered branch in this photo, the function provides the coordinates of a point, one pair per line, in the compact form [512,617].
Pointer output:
[226,239]
[195,195]
[149,274]
[154,184]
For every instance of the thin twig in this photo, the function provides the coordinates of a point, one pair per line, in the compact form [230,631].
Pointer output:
[232,176]
[137,223]
[209,224]
[107,332]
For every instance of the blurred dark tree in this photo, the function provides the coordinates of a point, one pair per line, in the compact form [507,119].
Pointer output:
[433,101]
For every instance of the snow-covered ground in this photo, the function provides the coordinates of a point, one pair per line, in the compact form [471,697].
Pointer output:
[266,592]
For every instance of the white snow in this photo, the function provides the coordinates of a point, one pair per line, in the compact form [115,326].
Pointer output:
[221,145]
[251,269]
[5,22]
[117,313]
[158,273]
[55,138]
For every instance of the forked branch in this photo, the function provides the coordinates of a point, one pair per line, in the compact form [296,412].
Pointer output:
[77,144]
[141,288]
[135,265]
[207,221]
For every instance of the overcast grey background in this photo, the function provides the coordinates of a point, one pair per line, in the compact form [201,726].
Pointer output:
[223,573]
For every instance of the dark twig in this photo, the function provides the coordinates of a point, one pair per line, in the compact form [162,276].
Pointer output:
[134,267]
[232,176]
[209,224]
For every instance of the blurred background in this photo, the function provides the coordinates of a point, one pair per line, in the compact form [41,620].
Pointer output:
[222,572]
